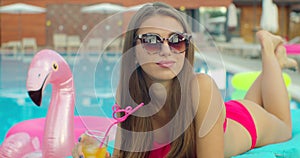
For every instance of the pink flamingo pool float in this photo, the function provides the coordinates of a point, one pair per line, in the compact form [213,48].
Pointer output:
[55,135]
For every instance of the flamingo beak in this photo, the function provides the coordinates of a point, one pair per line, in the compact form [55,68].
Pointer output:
[36,96]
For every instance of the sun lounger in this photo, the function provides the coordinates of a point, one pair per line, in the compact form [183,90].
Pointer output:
[29,45]
[60,42]
[73,44]
[11,48]
[94,46]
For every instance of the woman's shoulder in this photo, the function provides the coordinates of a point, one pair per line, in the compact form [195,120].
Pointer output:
[207,93]
[202,88]
[203,76]
[210,104]
[204,81]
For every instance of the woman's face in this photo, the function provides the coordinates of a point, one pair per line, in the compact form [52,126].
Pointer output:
[162,65]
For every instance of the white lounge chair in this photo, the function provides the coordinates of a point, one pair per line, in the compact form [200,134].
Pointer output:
[11,48]
[29,45]
[60,42]
[73,43]
[94,46]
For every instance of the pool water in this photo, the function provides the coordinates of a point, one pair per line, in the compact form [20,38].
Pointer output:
[94,91]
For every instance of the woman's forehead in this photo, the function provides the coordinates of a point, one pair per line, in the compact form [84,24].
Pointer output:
[160,24]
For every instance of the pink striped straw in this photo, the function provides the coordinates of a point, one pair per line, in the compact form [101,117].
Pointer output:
[117,109]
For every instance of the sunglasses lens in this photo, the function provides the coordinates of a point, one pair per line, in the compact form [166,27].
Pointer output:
[177,43]
[151,43]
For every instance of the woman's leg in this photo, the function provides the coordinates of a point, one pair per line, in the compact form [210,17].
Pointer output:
[254,93]
[269,89]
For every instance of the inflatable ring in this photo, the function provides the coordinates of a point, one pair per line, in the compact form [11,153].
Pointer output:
[243,81]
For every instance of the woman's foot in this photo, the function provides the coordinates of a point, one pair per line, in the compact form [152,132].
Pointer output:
[274,44]
[268,42]
[283,60]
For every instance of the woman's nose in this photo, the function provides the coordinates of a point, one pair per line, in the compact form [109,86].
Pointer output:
[165,49]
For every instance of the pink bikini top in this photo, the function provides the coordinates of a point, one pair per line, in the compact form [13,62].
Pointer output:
[160,150]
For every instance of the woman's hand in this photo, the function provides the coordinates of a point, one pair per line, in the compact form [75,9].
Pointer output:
[77,150]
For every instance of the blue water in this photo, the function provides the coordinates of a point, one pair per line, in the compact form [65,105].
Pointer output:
[94,81]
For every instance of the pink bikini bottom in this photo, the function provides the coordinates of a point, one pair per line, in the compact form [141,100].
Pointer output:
[237,112]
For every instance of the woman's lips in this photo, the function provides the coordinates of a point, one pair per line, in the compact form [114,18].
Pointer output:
[165,64]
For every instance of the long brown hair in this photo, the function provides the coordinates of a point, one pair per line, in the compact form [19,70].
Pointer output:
[135,90]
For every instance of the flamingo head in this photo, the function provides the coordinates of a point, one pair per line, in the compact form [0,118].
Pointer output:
[47,66]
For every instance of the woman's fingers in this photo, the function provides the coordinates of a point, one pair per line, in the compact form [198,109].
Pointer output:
[77,150]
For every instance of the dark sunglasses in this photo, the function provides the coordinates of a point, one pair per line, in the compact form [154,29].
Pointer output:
[152,43]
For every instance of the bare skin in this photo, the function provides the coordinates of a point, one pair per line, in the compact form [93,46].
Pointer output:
[267,101]
[283,60]
[280,52]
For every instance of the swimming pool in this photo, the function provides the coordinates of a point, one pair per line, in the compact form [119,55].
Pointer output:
[93,85]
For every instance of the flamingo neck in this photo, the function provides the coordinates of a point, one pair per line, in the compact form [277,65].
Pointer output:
[59,125]
[66,86]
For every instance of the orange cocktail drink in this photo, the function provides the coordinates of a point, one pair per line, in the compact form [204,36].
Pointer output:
[91,145]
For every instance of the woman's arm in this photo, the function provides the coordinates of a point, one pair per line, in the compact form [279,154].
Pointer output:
[209,119]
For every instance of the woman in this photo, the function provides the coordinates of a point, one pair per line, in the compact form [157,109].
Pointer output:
[184,114]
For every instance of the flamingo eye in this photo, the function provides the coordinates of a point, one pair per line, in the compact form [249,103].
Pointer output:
[54,66]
